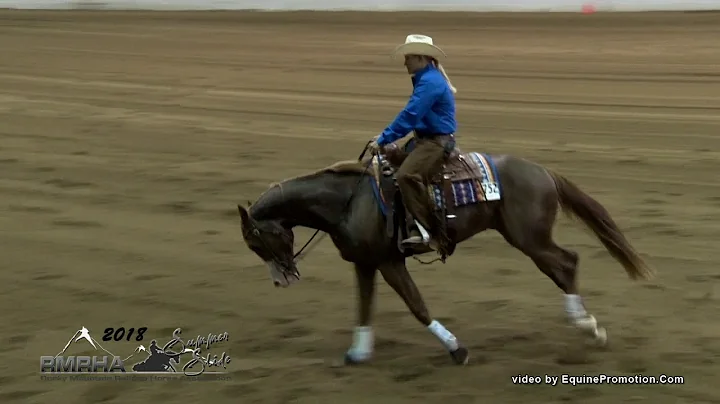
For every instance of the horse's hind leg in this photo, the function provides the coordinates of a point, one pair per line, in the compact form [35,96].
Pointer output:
[530,231]
[398,277]
[561,266]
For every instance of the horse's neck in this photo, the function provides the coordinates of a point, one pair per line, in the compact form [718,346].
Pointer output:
[316,201]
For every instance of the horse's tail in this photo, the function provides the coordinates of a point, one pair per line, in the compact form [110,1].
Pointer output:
[577,203]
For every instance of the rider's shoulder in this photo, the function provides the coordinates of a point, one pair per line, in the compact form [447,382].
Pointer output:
[432,75]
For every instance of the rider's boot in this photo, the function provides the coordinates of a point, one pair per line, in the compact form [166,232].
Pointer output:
[418,235]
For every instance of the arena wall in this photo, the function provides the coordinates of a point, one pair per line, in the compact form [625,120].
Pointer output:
[373,5]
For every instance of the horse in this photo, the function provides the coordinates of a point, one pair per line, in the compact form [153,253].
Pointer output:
[348,202]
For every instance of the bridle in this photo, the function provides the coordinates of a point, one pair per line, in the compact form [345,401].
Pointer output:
[306,248]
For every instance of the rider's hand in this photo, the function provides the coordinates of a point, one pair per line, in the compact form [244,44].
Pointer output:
[374,147]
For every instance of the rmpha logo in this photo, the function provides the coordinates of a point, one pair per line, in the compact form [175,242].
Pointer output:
[101,362]
[155,359]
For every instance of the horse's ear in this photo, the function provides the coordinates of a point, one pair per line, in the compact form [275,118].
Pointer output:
[244,216]
[249,203]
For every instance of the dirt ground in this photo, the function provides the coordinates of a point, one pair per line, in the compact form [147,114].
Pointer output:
[126,140]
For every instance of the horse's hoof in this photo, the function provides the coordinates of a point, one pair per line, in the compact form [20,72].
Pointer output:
[350,361]
[601,337]
[460,356]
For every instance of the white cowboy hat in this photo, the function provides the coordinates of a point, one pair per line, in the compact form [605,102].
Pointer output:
[423,45]
[419,45]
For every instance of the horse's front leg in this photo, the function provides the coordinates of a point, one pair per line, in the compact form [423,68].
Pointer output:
[362,346]
[398,277]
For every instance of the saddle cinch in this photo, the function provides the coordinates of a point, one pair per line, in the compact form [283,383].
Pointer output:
[466,178]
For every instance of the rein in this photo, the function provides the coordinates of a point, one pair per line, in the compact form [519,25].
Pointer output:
[300,255]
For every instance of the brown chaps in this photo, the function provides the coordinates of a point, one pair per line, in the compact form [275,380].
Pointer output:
[413,178]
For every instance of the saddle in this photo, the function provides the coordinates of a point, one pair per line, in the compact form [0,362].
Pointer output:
[462,181]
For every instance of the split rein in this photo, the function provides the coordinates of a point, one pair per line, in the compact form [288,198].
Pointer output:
[303,252]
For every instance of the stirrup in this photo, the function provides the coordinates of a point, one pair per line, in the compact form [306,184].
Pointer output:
[423,239]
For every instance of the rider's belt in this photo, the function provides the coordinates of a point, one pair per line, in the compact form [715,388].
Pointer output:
[431,135]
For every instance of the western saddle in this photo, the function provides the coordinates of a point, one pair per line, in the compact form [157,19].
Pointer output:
[457,167]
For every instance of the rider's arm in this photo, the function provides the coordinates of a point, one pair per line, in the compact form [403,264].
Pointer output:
[422,99]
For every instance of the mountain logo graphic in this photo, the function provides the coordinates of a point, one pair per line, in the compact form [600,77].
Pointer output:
[84,334]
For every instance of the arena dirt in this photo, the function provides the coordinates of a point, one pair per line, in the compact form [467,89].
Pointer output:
[126,139]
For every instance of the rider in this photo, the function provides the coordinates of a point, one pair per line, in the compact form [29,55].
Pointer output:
[430,113]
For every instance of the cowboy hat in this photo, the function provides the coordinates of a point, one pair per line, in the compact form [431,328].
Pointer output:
[419,45]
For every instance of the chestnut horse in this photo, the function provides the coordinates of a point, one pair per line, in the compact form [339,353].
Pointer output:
[342,201]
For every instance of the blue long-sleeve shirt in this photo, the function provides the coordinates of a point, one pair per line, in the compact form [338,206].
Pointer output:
[431,108]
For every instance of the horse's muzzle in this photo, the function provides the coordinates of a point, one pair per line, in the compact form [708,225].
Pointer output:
[282,277]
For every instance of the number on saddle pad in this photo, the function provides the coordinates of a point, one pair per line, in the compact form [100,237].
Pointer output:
[488,177]
[491,190]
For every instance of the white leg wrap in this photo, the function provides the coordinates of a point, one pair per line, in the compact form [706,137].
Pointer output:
[446,337]
[362,346]
[582,320]
[574,307]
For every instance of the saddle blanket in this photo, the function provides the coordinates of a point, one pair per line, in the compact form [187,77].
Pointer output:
[473,190]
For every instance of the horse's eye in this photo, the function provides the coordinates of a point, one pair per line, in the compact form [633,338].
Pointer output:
[256,232]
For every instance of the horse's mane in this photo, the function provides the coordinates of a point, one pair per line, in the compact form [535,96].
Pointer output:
[346,167]
[365,167]
[340,167]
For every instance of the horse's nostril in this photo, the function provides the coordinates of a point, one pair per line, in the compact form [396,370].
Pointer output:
[276,283]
